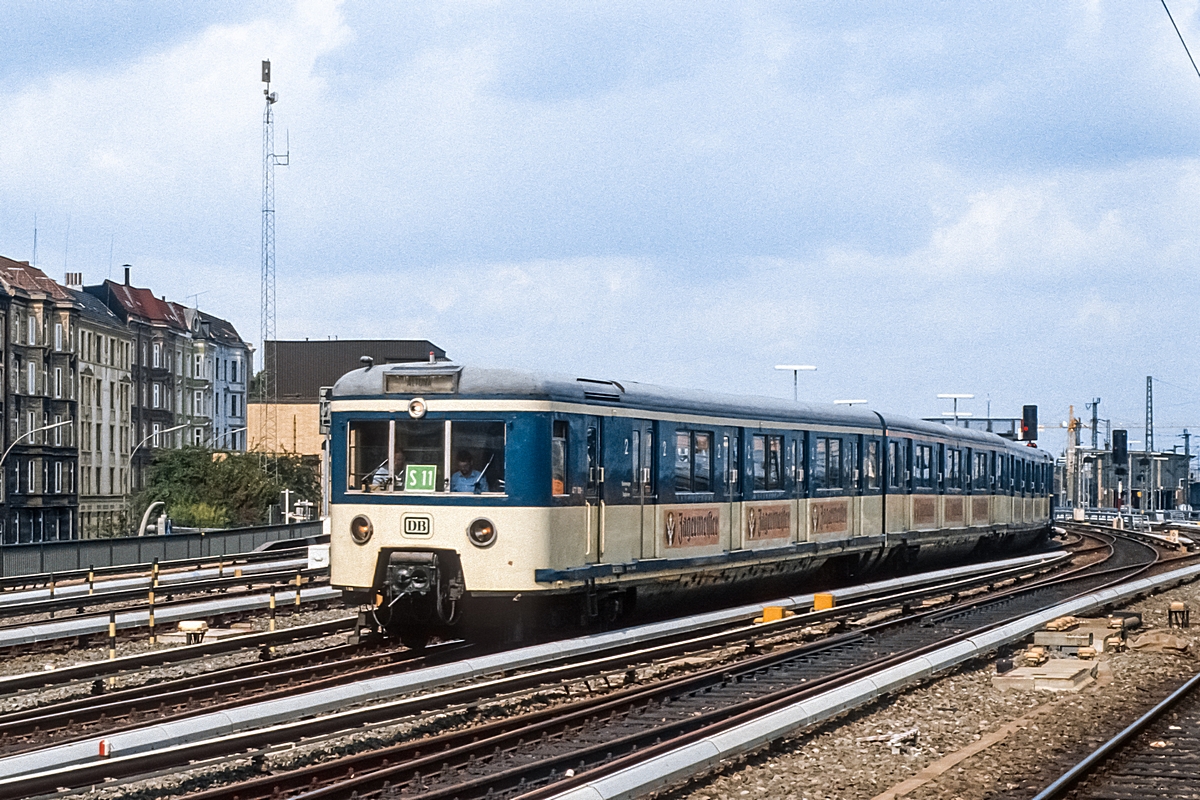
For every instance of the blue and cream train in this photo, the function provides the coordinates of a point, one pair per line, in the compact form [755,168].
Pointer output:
[494,501]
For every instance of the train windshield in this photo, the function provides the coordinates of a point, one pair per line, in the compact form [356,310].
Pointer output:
[433,456]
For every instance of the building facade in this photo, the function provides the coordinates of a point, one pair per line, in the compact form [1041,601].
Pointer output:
[227,363]
[39,324]
[103,360]
[160,342]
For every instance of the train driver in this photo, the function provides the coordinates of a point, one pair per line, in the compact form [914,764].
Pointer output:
[467,479]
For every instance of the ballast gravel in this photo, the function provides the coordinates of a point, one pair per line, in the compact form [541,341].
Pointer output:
[850,758]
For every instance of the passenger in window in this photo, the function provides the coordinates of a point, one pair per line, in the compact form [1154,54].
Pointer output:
[467,479]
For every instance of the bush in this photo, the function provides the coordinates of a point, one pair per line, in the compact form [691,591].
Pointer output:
[205,489]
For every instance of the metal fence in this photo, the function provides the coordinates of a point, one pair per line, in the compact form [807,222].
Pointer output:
[82,554]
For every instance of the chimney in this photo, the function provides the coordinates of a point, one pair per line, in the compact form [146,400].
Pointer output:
[74,280]
[127,267]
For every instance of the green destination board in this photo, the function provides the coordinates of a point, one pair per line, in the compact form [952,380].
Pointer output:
[420,478]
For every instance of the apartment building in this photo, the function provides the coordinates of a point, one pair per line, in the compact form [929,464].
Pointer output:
[102,363]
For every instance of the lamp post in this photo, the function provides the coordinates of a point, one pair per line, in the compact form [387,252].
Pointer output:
[30,433]
[955,398]
[796,369]
[149,436]
[227,434]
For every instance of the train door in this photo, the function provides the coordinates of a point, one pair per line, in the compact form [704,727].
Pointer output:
[642,438]
[733,485]
[593,492]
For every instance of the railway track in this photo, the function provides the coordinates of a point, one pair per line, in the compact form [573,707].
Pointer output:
[544,748]
[1158,756]
[668,646]
[539,754]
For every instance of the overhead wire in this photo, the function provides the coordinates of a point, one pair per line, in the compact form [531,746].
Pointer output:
[1180,35]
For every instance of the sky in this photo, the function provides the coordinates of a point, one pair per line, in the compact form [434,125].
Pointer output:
[917,198]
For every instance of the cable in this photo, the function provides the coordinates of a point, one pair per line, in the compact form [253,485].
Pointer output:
[1180,35]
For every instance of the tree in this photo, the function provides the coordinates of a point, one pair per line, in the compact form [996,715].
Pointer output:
[206,489]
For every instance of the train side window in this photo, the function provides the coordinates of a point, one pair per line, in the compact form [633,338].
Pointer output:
[827,467]
[702,462]
[850,466]
[368,456]
[478,449]
[872,464]
[979,471]
[558,457]
[954,468]
[683,461]
[693,461]
[421,445]
[923,465]
[895,465]
[766,456]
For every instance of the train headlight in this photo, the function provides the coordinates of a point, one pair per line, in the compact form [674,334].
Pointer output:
[482,533]
[416,407]
[361,529]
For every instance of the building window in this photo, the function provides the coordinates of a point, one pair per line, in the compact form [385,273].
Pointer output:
[31,373]
[32,477]
[198,436]
[155,395]
[58,477]
[196,365]
[233,405]
[58,383]
[58,338]
[157,355]
[198,403]
[235,371]
[156,430]
[58,431]
[32,330]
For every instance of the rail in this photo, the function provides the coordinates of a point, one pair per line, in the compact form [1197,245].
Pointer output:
[77,556]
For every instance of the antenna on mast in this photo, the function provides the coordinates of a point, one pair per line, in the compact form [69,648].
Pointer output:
[268,394]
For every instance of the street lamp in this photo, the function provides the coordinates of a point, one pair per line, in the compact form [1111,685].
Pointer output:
[132,452]
[796,369]
[226,434]
[30,433]
[955,398]
[151,436]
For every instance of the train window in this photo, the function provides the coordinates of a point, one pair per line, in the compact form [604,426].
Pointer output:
[954,468]
[368,456]
[558,458]
[478,457]
[850,466]
[923,465]
[419,459]
[871,465]
[693,461]
[979,471]
[897,464]
[827,466]
[766,461]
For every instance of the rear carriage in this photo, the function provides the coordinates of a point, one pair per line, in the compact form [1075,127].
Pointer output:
[491,501]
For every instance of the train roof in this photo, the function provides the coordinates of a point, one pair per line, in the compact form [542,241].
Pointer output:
[440,378]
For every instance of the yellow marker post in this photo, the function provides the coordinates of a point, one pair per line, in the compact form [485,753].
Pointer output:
[823,602]
[91,579]
[112,635]
[153,637]
[298,582]
[271,619]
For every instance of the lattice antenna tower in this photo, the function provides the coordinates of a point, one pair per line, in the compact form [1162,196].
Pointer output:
[268,394]
[1149,414]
